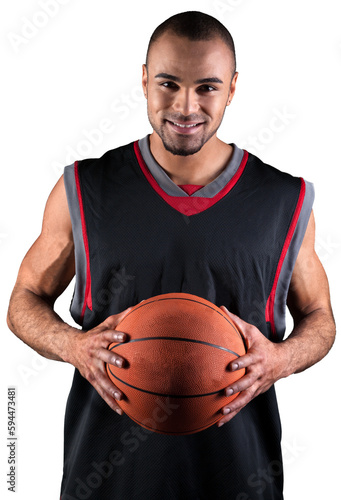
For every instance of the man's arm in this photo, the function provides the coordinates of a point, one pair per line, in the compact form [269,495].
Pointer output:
[309,304]
[311,339]
[45,272]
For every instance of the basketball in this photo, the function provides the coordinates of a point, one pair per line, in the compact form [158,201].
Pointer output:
[178,349]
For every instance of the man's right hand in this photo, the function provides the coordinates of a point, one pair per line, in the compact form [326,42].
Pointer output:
[46,271]
[89,354]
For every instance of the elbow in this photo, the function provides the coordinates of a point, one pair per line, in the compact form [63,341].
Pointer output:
[9,321]
[11,313]
[332,329]
[328,329]
[330,325]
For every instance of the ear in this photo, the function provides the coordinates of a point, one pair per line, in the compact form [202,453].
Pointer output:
[144,79]
[232,88]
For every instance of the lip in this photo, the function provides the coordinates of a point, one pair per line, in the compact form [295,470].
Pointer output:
[185,128]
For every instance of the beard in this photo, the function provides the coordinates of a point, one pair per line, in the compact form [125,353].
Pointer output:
[185,146]
[181,144]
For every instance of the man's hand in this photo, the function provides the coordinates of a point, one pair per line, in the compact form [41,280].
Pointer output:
[90,353]
[264,363]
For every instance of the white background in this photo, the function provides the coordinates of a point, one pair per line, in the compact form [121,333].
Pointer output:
[80,70]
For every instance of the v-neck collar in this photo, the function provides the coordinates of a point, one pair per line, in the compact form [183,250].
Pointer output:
[208,191]
[181,201]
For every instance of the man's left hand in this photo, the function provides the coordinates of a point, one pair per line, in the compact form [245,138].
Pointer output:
[264,363]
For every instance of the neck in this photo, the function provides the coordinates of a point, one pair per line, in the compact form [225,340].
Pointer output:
[200,168]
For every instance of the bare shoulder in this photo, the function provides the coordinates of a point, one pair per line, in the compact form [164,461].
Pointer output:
[49,266]
[56,215]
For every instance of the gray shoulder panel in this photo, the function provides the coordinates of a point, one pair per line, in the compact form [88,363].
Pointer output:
[290,260]
[80,255]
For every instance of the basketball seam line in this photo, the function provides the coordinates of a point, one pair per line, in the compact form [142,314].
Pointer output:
[177,339]
[190,300]
[162,394]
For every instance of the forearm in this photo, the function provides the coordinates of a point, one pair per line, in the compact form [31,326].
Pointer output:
[35,322]
[310,340]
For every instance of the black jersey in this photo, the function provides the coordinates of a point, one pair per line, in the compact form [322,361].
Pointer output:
[234,243]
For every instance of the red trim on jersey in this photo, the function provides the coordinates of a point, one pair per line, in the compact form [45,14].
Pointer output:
[270,305]
[190,188]
[184,204]
[87,295]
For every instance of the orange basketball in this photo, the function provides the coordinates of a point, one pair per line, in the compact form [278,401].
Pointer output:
[176,357]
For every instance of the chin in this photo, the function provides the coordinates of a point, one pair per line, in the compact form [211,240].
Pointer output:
[182,151]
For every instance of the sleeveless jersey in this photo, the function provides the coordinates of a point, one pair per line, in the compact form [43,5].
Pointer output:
[233,242]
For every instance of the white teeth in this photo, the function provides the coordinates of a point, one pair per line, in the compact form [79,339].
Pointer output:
[185,126]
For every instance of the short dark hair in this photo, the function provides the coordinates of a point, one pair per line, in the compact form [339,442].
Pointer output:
[195,26]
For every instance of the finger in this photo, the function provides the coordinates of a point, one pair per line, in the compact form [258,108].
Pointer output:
[234,407]
[229,416]
[110,336]
[109,392]
[240,325]
[226,419]
[110,388]
[111,358]
[122,314]
[113,320]
[239,322]
[98,375]
[241,362]
[110,401]
[241,385]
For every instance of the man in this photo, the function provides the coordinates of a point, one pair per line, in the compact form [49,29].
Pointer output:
[177,211]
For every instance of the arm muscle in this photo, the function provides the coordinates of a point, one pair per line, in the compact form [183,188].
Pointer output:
[45,272]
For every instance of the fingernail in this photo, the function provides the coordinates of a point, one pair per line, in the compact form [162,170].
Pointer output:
[117,395]
[229,392]
[234,366]
[119,411]
[220,424]
[226,411]
[119,363]
[120,336]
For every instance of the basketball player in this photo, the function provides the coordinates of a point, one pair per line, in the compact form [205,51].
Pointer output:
[177,211]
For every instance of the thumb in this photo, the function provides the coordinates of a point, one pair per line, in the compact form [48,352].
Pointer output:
[232,316]
[113,320]
[240,324]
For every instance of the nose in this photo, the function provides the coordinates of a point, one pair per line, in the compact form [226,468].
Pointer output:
[185,102]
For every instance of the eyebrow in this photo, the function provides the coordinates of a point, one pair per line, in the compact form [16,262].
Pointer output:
[212,79]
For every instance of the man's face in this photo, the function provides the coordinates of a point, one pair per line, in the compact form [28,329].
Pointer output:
[188,85]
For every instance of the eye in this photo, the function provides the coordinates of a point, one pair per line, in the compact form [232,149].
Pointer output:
[169,85]
[206,88]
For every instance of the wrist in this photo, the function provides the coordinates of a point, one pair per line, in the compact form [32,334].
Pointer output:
[69,347]
[285,359]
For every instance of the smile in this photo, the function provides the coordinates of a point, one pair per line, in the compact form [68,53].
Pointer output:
[184,128]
